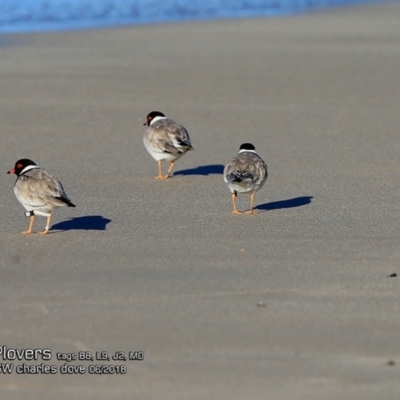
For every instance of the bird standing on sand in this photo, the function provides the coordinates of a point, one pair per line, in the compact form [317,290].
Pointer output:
[245,173]
[165,140]
[38,191]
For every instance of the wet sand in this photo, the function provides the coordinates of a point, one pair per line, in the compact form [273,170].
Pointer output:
[295,302]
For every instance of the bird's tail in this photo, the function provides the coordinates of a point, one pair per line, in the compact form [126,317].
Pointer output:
[68,202]
[184,144]
[239,176]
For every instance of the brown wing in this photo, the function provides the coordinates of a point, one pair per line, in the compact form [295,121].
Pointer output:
[38,188]
[246,166]
[168,136]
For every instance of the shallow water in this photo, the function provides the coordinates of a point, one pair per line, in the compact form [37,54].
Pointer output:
[42,15]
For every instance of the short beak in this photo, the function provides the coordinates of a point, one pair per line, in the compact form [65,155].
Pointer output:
[145,124]
[11,171]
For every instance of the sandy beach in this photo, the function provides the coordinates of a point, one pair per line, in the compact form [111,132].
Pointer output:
[295,302]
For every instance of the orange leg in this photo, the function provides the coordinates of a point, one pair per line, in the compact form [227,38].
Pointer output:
[29,231]
[159,176]
[235,210]
[251,211]
[46,229]
[171,166]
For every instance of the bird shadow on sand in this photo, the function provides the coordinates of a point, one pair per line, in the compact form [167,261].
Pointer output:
[289,203]
[212,169]
[86,223]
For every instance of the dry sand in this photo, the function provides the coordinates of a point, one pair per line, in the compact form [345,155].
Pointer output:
[163,267]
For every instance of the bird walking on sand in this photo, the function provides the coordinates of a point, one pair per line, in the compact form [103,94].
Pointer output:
[245,173]
[38,191]
[165,140]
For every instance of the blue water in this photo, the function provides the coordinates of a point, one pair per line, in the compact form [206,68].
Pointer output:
[44,15]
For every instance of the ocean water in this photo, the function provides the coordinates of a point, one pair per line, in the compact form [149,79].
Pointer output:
[44,15]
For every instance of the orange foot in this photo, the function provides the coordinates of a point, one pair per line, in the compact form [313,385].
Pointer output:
[236,212]
[251,212]
[162,177]
[28,232]
[45,232]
